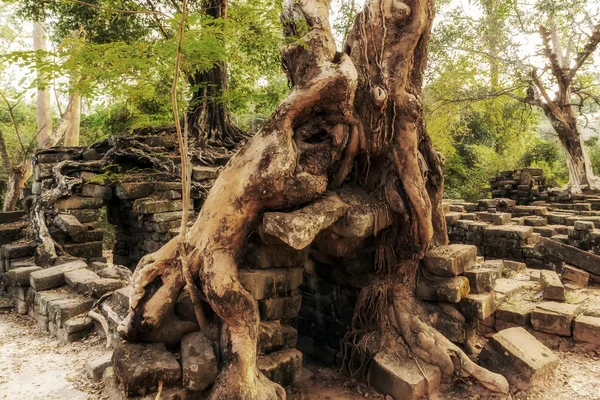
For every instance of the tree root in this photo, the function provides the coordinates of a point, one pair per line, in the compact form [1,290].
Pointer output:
[434,348]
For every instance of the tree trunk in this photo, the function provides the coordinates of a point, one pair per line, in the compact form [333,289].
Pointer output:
[357,115]
[208,114]
[44,117]
[74,121]
[14,187]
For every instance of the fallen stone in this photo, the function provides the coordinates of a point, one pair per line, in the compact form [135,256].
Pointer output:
[482,278]
[501,218]
[79,279]
[95,368]
[520,358]
[140,367]
[204,173]
[514,266]
[52,277]
[12,251]
[68,224]
[299,228]
[450,260]
[583,226]
[587,329]
[97,191]
[402,378]
[517,314]
[102,286]
[451,290]
[552,287]
[360,220]
[84,250]
[555,318]
[575,275]
[198,362]
[478,306]
[265,283]
[133,190]
[283,367]
[585,260]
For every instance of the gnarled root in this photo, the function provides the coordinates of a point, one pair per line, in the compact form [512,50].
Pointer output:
[434,348]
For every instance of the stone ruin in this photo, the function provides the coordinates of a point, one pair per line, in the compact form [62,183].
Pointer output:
[520,275]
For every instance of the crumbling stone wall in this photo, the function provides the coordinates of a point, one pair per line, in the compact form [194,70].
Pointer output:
[522,185]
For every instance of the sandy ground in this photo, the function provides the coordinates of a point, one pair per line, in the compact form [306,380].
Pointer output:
[34,365]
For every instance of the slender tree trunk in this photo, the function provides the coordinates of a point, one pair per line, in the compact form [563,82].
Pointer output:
[16,182]
[356,114]
[208,114]
[74,121]
[44,117]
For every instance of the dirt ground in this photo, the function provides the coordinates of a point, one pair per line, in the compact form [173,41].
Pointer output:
[34,365]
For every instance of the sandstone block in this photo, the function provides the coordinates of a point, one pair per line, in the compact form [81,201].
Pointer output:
[280,308]
[78,324]
[274,335]
[275,256]
[552,287]
[52,277]
[133,190]
[478,306]
[97,191]
[575,275]
[20,276]
[442,289]
[283,367]
[68,224]
[96,367]
[450,260]
[555,318]
[198,361]
[401,377]
[84,250]
[265,283]
[77,202]
[520,358]
[139,367]
[587,329]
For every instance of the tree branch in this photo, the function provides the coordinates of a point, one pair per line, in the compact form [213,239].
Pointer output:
[589,48]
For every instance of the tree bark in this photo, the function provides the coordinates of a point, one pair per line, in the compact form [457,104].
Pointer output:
[208,115]
[74,121]
[357,116]
[44,117]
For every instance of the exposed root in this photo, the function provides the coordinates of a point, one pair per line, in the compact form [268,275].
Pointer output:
[104,324]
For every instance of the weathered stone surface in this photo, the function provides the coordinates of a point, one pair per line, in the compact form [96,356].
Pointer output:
[20,276]
[198,361]
[283,367]
[133,190]
[583,226]
[100,287]
[338,246]
[89,235]
[80,279]
[12,251]
[299,228]
[166,216]
[84,250]
[98,191]
[517,313]
[274,335]
[62,310]
[514,266]
[585,260]
[451,290]
[359,221]
[84,216]
[401,377]
[275,256]
[478,306]
[76,202]
[149,206]
[520,358]
[68,224]
[482,278]
[555,318]
[587,329]
[509,231]
[139,367]
[450,260]
[204,173]
[263,283]
[501,218]
[552,287]
[96,367]
[280,308]
[54,276]
[575,275]
[78,324]
[7,217]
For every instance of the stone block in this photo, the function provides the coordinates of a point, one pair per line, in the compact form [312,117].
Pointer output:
[263,283]
[78,324]
[97,191]
[198,362]
[482,278]
[80,279]
[274,335]
[584,226]
[52,277]
[280,308]
[508,231]
[451,290]
[89,235]
[77,202]
[520,358]
[139,367]
[552,287]
[134,190]
[450,260]
[20,276]
[554,318]
[95,368]
[575,275]
[275,256]
[204,173]
[84,216]
[68,224]
[478,306]
[62,310]
[7,217]
[84,250]
[514,266]
[501,218]
[402,378]
[515,313]
[587,329]
[283,367]
[12,251]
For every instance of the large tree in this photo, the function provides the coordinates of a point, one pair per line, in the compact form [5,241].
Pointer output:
[557,77]
[353,117]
